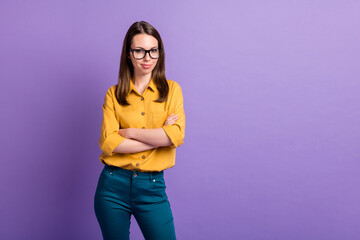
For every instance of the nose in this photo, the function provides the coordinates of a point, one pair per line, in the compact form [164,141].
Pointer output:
[147,56]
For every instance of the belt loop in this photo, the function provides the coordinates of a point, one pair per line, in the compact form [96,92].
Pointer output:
[150,177]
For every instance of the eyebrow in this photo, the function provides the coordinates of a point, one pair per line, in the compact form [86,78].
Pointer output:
[144,48]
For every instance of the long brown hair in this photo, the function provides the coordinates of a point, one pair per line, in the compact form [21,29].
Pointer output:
[126,71]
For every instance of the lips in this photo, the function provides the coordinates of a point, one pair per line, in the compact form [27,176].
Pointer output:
[146,65]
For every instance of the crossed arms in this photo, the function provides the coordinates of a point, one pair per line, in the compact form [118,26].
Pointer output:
[138,140]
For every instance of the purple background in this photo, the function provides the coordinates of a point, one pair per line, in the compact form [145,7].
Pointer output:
[271,95]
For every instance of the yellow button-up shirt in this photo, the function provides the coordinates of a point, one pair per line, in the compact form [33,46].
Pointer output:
[142,113]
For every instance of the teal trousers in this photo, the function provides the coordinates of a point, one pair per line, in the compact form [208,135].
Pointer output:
[121,193]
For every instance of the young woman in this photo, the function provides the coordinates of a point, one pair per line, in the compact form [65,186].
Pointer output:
[143,123]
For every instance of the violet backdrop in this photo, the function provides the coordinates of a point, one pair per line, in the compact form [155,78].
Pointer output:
[271,96]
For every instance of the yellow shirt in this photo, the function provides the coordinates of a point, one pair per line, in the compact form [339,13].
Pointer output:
[142,113]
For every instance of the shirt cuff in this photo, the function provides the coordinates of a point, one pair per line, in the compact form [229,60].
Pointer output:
[174,133]
[111,142]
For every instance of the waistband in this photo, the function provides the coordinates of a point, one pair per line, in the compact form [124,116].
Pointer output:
[131,172]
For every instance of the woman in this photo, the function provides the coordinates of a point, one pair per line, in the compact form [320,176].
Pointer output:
[143,122]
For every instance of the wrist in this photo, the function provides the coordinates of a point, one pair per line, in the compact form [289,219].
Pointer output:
[133,133]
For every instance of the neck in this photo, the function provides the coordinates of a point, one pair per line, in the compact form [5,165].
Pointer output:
[140,80]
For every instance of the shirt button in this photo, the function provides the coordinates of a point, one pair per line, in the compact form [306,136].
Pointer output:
[135,175]
[143,157]
[143,127]
[142,99]
[137,164]
[142,113]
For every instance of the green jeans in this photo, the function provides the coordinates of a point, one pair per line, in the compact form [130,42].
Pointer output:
[122,192]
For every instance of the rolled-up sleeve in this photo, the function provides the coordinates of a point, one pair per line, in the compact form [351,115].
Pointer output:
[109,137]
[176,131]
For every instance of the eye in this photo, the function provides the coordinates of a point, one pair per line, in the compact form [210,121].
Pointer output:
[154,50]
[138,50]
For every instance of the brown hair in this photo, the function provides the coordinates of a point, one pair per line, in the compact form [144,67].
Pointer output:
[126,70]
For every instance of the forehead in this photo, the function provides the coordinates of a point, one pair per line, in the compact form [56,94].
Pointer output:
[144,41]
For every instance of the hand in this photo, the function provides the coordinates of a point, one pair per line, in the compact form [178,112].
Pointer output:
[171,119]
[125,132]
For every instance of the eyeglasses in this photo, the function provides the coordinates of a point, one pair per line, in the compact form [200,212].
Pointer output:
[140,53]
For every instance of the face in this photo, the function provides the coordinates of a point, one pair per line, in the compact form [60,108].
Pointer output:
[147,64]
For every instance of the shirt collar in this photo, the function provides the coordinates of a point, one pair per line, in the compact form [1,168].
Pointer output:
[151,85]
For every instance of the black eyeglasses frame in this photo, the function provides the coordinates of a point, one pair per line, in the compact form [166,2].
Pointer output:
[146,51]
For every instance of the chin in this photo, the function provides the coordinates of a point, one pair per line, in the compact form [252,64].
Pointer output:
[147,71]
